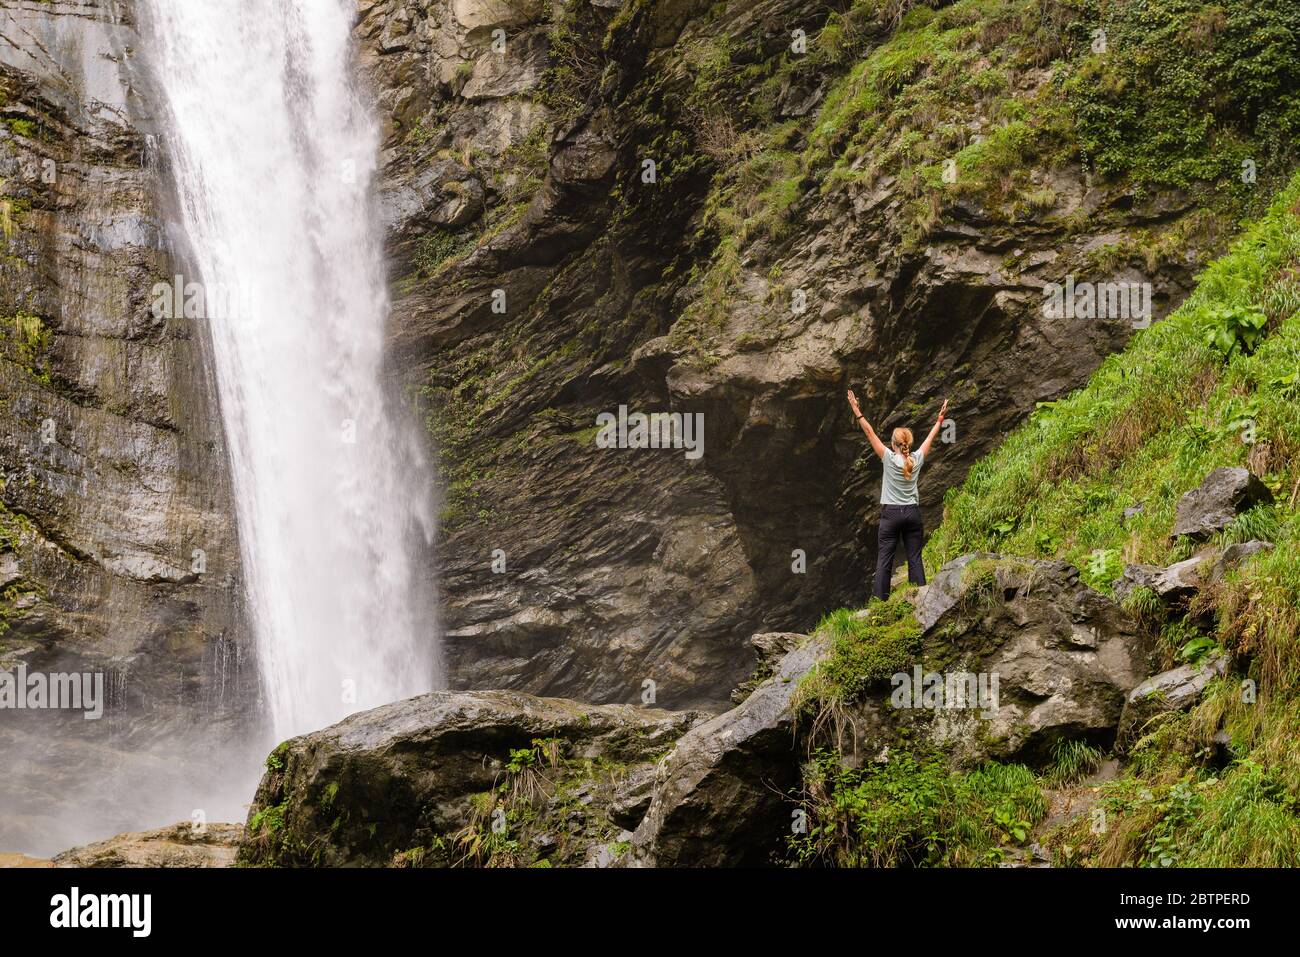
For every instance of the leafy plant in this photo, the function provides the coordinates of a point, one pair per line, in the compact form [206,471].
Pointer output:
[1014,827]
[1104,565]
[1235,328]
[1167,842]
[527,779]
[1197,650]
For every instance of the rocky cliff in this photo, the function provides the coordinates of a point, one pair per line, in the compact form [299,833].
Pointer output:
[116,540]
[739,209]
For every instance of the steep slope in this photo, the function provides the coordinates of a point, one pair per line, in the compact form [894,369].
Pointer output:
[1198,768]
[1097,478]
[871,194]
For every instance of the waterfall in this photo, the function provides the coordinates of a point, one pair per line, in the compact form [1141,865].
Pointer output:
[274,153]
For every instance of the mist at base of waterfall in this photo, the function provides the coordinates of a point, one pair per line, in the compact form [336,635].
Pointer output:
[271,151]
[71,785]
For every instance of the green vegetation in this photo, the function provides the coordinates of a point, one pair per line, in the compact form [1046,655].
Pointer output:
[913,811]
[540,792]
[27,341]
[1149,426]
[1214,384]
[275,760]
[1247,817]
[523,166]
[439,247]
[866,647]
[983,99]
[269,837]
[1153,421]
[574,61]
[269,820]
[1072,761]
[14,527]
[1186,91]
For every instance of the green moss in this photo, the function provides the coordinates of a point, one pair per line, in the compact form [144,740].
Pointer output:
[29,341]
[463,397]
[1187,91]
[275,760]
[866,648]
[269,821]
[440,247]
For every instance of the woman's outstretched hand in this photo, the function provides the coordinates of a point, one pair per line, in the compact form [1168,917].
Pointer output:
[929,439]
[876,445]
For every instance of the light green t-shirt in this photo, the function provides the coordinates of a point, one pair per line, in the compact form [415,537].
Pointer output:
[894,489]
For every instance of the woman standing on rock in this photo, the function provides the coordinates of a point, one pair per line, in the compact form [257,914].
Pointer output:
[900,505]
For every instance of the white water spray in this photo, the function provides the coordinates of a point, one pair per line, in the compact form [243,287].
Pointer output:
[274,155]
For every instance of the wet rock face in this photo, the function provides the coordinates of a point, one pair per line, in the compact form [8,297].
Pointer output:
[403,783]
[519,171]
[116,541]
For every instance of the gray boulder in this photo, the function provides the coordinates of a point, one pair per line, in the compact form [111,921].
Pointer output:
[420,781]
[632,799]
[1211,507]
[1174,583]
[770,647]
[1063,657]
[180,845]
[1181,580]
[947,588]
[1234,555]
[720,799]
[1174,690]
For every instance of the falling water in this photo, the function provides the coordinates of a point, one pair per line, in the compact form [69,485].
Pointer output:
[274,155]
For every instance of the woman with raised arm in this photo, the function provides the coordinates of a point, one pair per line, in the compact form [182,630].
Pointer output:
[900,505]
